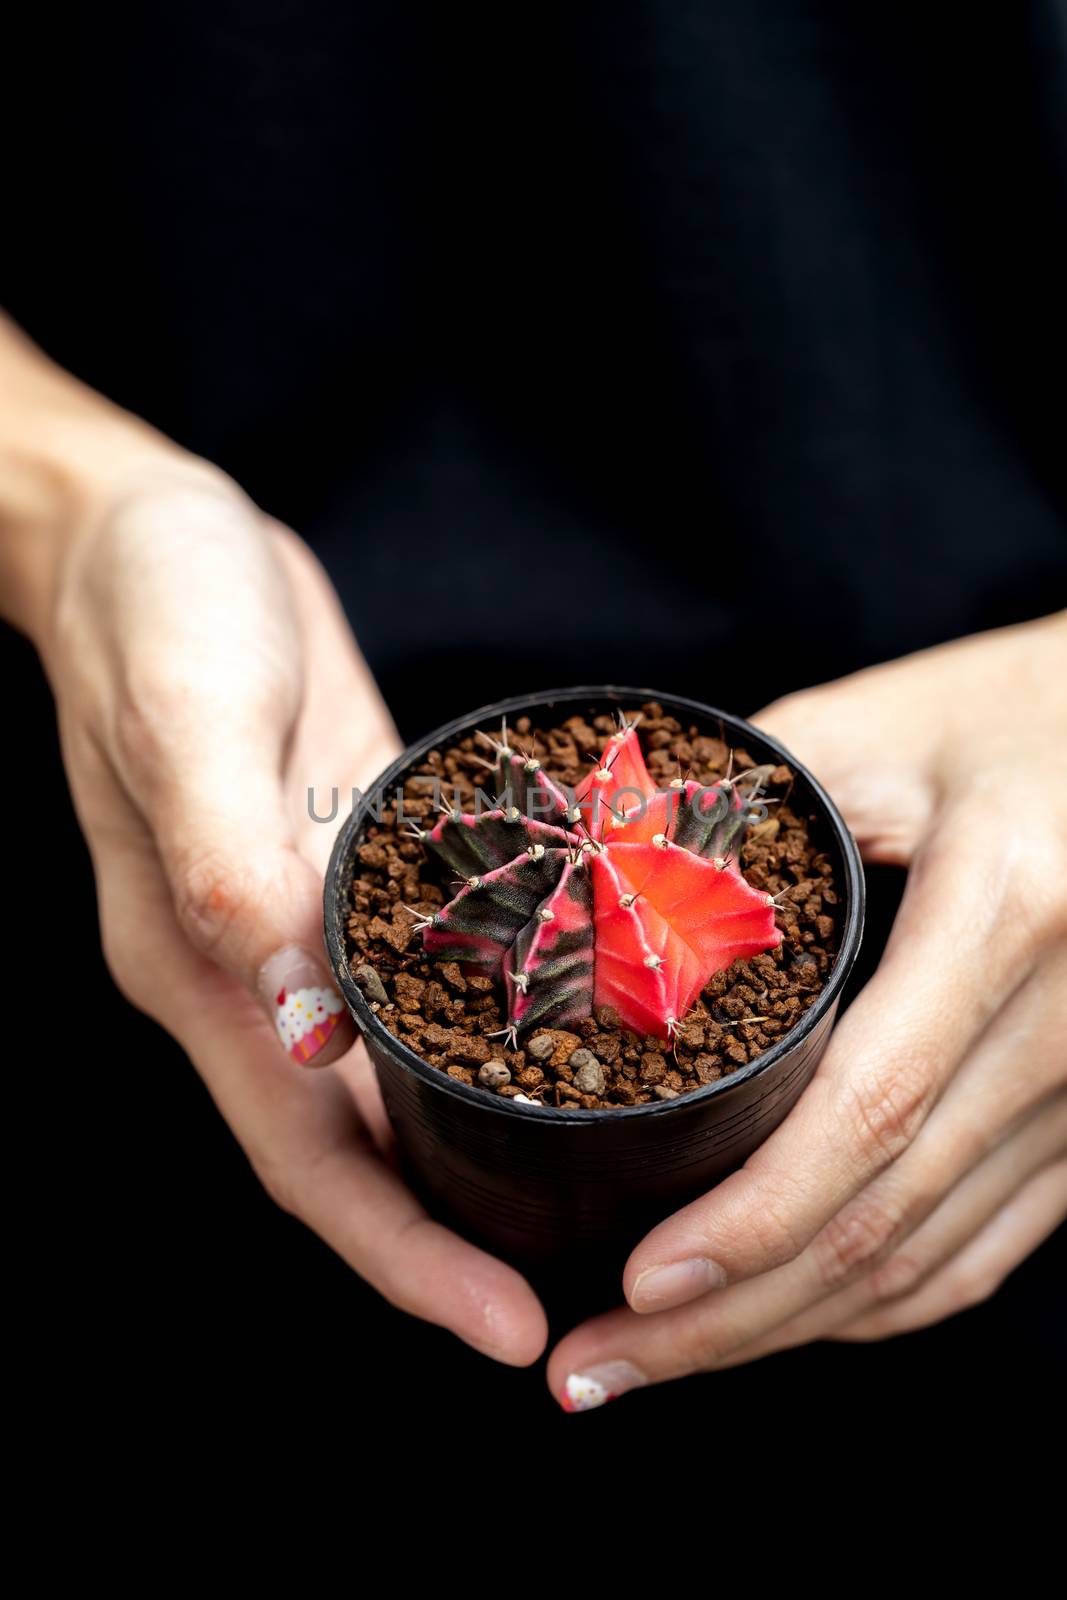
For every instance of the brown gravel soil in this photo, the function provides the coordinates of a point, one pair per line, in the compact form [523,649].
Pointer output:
[446,1015]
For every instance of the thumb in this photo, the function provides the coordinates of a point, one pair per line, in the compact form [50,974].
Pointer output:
[245,897]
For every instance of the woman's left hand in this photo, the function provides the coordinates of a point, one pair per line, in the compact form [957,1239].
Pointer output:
[928,1156]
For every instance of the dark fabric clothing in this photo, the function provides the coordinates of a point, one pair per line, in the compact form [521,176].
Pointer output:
[713,345]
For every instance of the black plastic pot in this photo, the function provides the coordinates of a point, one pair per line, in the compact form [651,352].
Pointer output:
[538,1184]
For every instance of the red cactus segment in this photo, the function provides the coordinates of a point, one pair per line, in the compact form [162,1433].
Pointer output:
[620,782]
[694,918]
[549,968]
[473,845]
[713,910]
[642,822]
[484,919]
[628,975]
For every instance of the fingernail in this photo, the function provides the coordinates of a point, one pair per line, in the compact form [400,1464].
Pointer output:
[660,1288]
[584,1391]
[306,1008]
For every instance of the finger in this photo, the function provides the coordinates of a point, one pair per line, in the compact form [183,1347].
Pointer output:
[301,1131]
[327,1172]
[1015,1067]
[771,1312]
[978,1271]
[967,1209]
[959,947]
[366,1213]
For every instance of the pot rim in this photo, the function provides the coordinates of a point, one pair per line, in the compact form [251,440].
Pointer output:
[335,893]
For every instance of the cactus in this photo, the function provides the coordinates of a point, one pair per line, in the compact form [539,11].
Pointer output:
[621,894]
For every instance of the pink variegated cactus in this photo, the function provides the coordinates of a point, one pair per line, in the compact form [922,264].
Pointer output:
[621,894]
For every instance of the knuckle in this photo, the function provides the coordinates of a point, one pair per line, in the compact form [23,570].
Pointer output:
[885,1112]
[391,1279]
[209,891]
[774,1230]
[855,1239]
[697,1347]
[900,1274]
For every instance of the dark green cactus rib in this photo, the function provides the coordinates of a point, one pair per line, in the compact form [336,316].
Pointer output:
[531,792]
[475,845]
[484,919]
[711,819]
[549,968]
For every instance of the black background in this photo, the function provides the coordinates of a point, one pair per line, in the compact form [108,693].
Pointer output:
[739,321]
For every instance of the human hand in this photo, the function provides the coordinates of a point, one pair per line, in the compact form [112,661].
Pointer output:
[205,677]
[928,1156]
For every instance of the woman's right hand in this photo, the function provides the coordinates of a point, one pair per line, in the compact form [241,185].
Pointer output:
[205,677]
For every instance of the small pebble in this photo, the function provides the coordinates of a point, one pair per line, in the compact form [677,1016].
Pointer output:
[653,1067]
[663,1092]
[541,1047]
[494,1074]
[589,1078]
[371,984]
[581,1058]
